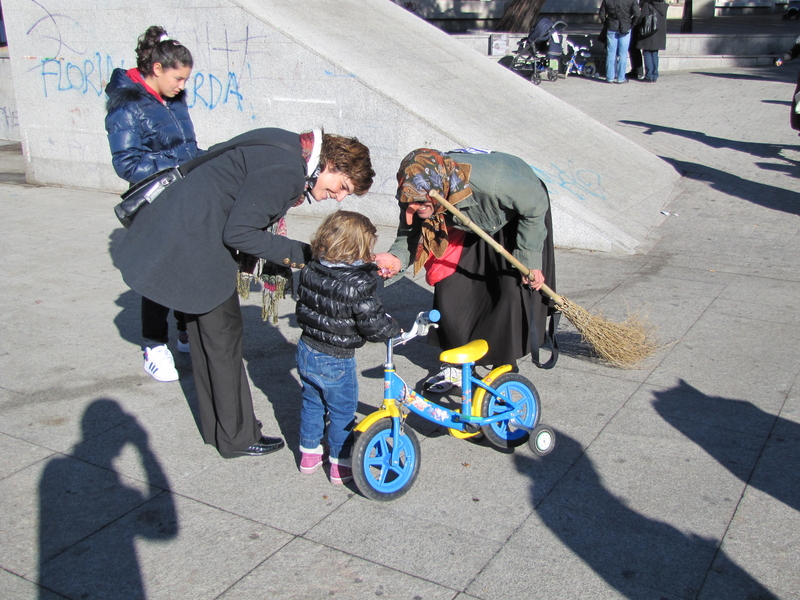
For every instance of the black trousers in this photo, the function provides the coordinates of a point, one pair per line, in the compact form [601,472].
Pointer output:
[227,419]
[155,327]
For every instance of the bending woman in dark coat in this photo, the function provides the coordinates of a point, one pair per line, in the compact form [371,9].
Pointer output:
[480,295]
[180,251]
[149,129]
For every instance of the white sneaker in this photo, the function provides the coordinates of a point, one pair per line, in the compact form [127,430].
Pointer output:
[183,342]
[445,380]
[158,363]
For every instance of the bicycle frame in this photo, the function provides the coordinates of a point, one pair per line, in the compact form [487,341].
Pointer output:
[397,394]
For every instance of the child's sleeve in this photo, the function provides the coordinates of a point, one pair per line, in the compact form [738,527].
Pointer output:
[372,321]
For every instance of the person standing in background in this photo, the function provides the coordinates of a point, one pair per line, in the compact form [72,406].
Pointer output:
[618,16]
[149,129]
[654,42]
[791,54]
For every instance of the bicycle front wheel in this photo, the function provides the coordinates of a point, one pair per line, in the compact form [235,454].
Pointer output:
[514,388]
[373,472]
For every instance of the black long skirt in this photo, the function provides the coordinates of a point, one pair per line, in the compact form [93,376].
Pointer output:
[485,299]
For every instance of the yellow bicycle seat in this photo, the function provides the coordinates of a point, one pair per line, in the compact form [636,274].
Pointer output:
[467,353]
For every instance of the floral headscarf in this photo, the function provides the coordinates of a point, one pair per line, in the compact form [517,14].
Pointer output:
[420,172]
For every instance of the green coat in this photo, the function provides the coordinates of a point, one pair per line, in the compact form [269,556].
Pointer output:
[503,187]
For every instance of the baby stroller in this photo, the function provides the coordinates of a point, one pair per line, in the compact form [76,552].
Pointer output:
[541,50]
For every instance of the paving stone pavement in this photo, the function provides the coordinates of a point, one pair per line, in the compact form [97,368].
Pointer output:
[677,480]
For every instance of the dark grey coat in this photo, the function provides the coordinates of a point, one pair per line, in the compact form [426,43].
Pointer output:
[619,15]
[179,251]
[657,41]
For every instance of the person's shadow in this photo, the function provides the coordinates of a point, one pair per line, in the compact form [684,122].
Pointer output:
[90,517]
[723,426]
[637,555]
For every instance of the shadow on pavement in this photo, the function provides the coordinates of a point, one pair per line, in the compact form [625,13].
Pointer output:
[630,551]
[769,196]
[89,518]
[718,424]
[761,150]
[773,74]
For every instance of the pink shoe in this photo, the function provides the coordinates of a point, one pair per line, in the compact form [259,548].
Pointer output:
[341,472]
[312,459]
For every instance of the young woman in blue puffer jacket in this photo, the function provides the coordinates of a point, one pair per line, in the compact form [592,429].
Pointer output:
[149,129]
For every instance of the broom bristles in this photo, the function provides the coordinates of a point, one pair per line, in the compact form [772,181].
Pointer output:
[621,344]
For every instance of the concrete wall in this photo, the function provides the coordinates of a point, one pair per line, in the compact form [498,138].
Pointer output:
[9,123]
[358,67]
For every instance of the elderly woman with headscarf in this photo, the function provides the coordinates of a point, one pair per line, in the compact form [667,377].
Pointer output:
[479,294]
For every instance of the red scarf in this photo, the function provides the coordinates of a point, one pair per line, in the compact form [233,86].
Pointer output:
[136,76]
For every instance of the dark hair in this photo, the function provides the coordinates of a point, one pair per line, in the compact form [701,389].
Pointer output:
[349,156]
[344,236]
[170,53]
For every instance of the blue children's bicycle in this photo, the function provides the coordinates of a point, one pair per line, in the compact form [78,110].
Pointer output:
[503,406]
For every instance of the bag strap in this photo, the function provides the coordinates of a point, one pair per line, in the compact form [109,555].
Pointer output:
[187,167]
[551,337]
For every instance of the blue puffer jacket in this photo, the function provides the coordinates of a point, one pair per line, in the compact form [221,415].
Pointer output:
[146,136]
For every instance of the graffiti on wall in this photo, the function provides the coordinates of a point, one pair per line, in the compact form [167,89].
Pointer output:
[9,118]
[68,68]
[89,76]
[582,184]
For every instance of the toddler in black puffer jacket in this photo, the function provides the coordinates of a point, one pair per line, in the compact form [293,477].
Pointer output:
[339,310]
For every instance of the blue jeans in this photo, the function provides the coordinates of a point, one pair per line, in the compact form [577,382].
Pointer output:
[650,64]
[617,59]
[330,387]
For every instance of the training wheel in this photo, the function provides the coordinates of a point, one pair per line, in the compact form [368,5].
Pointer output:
[542,440]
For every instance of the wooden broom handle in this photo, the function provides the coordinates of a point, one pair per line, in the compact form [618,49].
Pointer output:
[493,243]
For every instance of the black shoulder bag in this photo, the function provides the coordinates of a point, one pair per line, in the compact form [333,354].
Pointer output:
[148,189]
[649,23]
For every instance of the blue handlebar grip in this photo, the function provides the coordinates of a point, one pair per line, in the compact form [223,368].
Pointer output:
[434,316]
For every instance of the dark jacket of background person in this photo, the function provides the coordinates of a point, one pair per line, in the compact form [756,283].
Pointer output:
[657,40]
[339,310]
[619,15]
[180,250]
[145,135]
[791,54]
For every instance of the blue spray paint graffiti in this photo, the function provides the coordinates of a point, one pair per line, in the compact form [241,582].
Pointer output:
[580,183]
[211,98]
[62,76]
[90,76]
[9,117]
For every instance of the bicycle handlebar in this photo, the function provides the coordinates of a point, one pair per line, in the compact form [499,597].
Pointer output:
[424,321]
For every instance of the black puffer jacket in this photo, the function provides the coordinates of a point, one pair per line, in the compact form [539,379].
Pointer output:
[146,136]
[339,310]
[618,15]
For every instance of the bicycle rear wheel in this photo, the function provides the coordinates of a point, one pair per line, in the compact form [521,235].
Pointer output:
[515,388]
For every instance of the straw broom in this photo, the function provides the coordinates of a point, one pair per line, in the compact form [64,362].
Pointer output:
[621,344]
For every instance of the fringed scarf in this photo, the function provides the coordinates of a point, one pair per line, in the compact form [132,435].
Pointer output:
[420,172]
[276,279]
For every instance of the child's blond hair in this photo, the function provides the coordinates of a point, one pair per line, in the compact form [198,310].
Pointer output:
[344,237]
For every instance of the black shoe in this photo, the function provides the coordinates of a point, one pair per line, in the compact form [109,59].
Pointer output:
[265,445]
